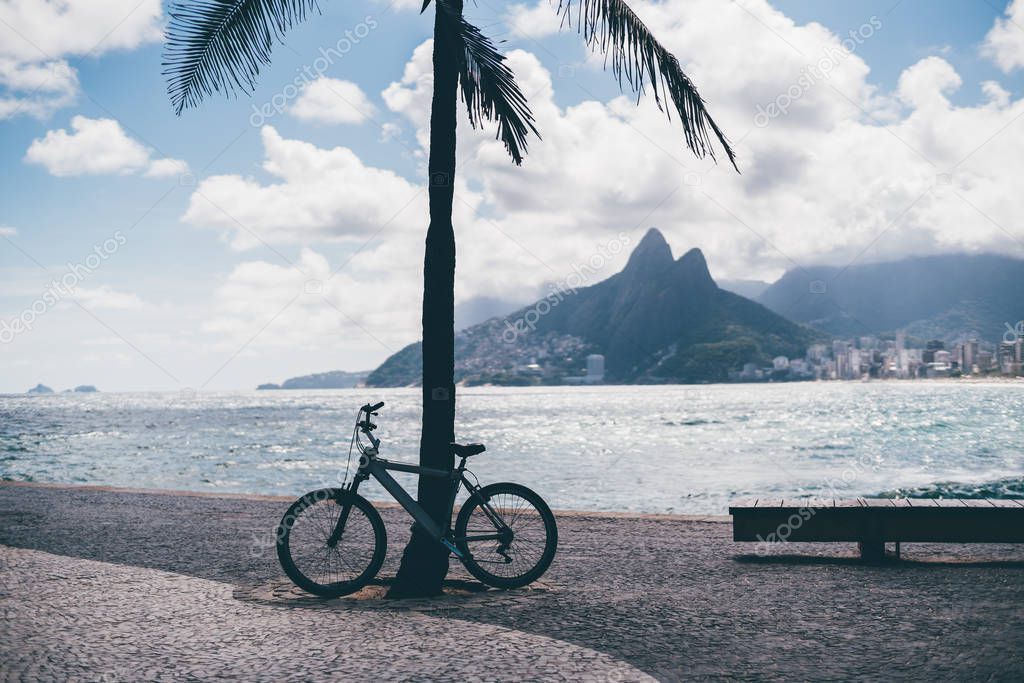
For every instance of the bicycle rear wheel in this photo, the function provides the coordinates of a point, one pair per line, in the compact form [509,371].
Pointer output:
[306,551]
[506,562]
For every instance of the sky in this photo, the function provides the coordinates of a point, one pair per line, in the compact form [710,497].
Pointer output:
[261,237]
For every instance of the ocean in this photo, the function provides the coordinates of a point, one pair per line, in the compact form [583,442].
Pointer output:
[670,449]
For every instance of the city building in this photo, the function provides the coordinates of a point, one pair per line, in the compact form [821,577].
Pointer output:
[1008,357]
[968,356]
[595,369]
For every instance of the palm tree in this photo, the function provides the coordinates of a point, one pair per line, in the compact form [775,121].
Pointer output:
[220,46]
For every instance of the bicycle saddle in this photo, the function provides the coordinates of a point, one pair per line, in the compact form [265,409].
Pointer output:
[466,450]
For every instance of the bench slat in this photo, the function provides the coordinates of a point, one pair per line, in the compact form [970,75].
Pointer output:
[1002,503]
[975,502]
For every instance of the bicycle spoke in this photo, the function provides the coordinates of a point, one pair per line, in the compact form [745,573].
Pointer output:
[314,525]
[529,536]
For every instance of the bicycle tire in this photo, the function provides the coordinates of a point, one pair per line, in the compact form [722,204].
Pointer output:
[524,508]
[317,523]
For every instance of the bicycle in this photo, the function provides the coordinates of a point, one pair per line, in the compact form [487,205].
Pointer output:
[332,541]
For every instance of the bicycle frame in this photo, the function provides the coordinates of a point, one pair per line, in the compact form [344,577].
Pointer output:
[372,466]
[378,469]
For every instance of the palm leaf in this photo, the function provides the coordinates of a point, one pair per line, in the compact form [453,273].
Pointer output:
[613,29]
[488,86]
[220,45]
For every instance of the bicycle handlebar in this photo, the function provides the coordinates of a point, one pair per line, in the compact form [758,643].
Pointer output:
[371,409]
[367,427]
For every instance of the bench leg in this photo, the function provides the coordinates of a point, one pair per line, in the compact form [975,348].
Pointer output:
[872,551]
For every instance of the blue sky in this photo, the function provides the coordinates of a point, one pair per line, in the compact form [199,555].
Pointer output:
[178,305]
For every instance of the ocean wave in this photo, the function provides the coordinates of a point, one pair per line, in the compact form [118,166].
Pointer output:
[825,447]
[691,423]
[1012,487]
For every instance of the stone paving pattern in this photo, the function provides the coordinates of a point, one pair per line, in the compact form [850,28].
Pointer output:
[626,596]
[85,620]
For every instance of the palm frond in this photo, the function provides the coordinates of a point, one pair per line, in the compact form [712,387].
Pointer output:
[488,86]
[220,45]
[613,29]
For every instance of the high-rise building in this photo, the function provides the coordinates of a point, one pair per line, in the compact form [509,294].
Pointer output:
[929,353]
[968,356]
[816,353]
[984,361]
[595,369]
[853,369]
[1008,356]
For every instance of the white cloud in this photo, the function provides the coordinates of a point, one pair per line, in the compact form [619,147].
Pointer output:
[103,297]
[318,194]
[819,184]
[35,88]
[96,147]
[163,168]
[849,173]
[926,83]
[36,37]
[413,5]
[997,94]
[330,100]
[7,232]
[390,131]
[76,27]
[534,21]
[51,76]
[305,305]
[1004,43]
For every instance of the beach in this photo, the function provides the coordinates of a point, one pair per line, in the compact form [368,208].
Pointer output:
[114,584]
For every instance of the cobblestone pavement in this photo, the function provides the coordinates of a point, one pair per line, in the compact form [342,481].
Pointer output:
[672,597]
[70,618]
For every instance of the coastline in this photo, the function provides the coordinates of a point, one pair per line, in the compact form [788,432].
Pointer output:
[384,505]
[971,379]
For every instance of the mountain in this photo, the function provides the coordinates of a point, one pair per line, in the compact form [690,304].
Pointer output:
[335,379]
[40,389]
[952,297]
[659,320]
[750,289]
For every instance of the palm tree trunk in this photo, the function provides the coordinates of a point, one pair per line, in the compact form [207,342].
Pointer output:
[425,561]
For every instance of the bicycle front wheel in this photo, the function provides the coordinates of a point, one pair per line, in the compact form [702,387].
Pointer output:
[492,554]
[322,558]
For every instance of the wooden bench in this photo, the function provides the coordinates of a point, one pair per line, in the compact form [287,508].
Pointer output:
[871,522]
